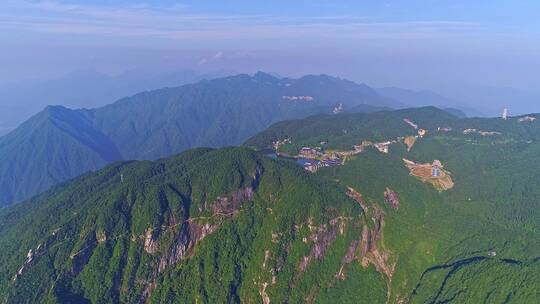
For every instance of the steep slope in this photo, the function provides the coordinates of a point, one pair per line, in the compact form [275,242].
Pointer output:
[150,125]
[53,146]
[475,242]
[208,226]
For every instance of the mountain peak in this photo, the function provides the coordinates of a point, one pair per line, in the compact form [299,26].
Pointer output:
[56,109]
[264,75]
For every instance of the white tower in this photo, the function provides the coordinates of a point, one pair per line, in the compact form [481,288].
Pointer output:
[505,114]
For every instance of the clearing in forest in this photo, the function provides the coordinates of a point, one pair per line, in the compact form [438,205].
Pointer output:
[431,173]
[409,142]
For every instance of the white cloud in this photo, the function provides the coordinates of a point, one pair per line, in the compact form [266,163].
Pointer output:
[216,57]
[179,23]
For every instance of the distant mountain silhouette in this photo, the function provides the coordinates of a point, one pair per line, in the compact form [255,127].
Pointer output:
[84,89]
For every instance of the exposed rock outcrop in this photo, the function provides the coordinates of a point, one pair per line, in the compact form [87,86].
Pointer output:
[264,295]
[34,254]
[150,243]
[372,249]
[322,237]
[225,205]
[355,195]
[391,198]
[347,259]
[193,230]
[191,233]
[266,257]
[409,142]
[101,237]
[80,258]
[29,259]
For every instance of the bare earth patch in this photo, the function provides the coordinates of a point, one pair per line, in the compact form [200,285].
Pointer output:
[409,142]
[442,182]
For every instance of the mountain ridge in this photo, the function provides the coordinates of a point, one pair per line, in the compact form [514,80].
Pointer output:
[362,230]
[120,234]
[158,123]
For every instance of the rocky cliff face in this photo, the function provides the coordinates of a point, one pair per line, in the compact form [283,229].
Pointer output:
[321,238]
[178,235]
[349,257]
[355,195]
[370,244]
[192,230]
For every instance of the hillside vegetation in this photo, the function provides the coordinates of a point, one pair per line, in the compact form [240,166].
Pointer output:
[208,226]
[477,242]
[233,225]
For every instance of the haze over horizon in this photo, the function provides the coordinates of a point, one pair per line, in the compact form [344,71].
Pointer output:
[482,54]
[192,151]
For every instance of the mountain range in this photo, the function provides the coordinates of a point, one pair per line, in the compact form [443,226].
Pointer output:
[235,225]
[60,143]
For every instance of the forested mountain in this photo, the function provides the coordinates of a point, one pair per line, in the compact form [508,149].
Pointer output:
[58,143]
[221,112]
[55,145]
[345,130]
[233,225]
[209,226]
[474,239]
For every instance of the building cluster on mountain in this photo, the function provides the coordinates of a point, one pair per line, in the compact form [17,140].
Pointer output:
[483,133]
[278,143]
[298,98]
[436,168]
[439,129]
[527,119]
[383,147]
[307,152]
[317,157]
[314,165]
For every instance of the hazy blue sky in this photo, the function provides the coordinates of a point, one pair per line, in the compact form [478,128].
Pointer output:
[411,43]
